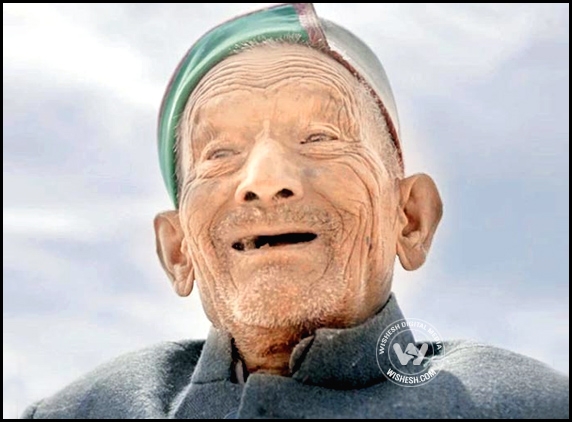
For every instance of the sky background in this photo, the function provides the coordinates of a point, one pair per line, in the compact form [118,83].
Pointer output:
[483,98]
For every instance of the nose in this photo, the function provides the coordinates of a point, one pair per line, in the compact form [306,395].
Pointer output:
[269,176]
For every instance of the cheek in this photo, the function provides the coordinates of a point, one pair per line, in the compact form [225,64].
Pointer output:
[200,205]
[349,183]
[363,194]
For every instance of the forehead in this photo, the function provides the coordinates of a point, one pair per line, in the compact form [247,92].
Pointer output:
[293,104]
[266,68]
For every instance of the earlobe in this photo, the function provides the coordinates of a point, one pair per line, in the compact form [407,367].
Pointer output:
[172,252]
[184,281]
[420,212]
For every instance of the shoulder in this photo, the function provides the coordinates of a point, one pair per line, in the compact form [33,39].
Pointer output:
[140,384]
[504,383]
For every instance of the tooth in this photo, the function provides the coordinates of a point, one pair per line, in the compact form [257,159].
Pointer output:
[249,244]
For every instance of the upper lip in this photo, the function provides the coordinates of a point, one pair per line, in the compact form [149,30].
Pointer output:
[275,237]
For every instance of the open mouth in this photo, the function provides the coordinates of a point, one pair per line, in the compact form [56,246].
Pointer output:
[260,242]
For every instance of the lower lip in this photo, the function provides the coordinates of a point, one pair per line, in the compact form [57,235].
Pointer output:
[278,249]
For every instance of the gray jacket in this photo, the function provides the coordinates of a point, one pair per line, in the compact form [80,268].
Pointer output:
[336,374]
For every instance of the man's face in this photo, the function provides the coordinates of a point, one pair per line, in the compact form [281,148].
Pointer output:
[288,213]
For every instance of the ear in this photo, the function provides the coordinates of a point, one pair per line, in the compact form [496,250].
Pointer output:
[171,248]
[419,214]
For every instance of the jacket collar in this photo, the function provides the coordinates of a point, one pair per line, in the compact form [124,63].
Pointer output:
[334,358]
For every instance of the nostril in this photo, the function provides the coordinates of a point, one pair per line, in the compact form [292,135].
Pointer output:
[250,196]
[284,193]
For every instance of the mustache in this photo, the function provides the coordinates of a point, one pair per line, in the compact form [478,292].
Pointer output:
[317,218]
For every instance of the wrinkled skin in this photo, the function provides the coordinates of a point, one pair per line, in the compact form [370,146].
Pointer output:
[281,146]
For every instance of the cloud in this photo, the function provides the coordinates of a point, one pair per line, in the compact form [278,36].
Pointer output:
[44,40]
[430,43]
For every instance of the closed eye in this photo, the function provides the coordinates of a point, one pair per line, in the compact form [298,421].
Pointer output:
[220,153]
[319,137]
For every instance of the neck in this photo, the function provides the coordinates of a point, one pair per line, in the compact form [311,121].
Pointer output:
[267,350]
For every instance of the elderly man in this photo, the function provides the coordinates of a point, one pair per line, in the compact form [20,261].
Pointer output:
[279,144]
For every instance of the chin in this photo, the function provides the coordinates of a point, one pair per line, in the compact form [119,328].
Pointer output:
[286,302]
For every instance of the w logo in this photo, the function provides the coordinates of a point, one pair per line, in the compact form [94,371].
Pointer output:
[411,352]
[403,360]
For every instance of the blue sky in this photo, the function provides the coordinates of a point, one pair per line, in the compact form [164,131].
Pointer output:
[483,98]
